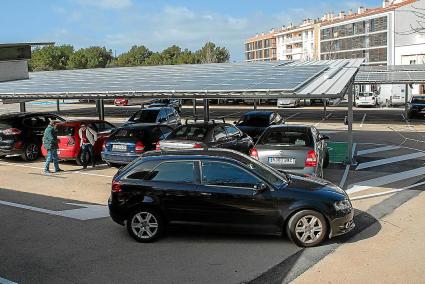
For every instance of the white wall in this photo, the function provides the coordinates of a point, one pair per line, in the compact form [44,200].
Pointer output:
[13,70]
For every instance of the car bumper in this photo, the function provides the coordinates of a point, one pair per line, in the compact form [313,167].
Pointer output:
[300,172]
[121,158]
[342,225]
[365,104]
[10,152]
[116,213]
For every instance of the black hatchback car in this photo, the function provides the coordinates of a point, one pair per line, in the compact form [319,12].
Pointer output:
[159,115]
[21,133]
[210,134]
[224,187]
[416,106]
[254,123]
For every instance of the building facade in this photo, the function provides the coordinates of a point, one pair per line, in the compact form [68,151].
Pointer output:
[261,47]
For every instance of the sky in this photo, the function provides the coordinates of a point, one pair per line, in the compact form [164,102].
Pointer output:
[157,24]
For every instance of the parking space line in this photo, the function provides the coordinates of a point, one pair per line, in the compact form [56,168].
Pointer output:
[326,117]
[291,116]
[389,160]
[367,184]
[387,192]
[403,117]
[364,117]
[5,281]
[344,176]
[376,150]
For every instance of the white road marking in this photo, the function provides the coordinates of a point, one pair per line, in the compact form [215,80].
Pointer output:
[326,117]
[361,124]
[5,281]
[389,160]
[344,176]
[376,150]
[404,118]
[87,212]
[387,192]
[353,150]
[367,184]
[291,116]
[65,172]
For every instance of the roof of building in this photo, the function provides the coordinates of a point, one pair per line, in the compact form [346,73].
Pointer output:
[25,44]
[322,78]
[367,12]
[269,35]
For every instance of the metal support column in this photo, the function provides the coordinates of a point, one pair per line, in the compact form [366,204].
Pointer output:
[194,107]
[22,107]
[406,103]
[206,110]
[57,106]
[350,125]
[324,109]
[255,104]
[101,109]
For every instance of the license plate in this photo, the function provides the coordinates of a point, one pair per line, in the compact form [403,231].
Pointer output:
[58,152]
[119,147]
[281,161]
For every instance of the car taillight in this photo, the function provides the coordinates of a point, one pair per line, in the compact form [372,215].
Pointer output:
[139,147]
[311,160]
[197,145]
[71,141]
[12,131]
[253,153]
[116,186]
[18,145]
[157,146]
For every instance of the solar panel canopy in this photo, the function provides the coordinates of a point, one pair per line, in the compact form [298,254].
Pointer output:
[395,74]
[328,78]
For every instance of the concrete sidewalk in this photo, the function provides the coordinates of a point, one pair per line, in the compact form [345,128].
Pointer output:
[396,254]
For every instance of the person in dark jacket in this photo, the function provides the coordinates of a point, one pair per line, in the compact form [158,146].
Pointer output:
[50,142]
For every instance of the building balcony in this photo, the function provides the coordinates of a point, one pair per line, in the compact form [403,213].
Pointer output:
[293,39]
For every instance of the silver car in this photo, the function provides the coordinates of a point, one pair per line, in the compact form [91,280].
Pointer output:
[297,149]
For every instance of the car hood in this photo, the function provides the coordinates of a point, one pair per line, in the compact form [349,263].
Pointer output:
[314,184]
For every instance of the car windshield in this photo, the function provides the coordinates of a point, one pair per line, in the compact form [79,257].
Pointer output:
[272,176]
[254,120]
[65,130]
[146,115]
[418,100]
[189,132]
[292,137]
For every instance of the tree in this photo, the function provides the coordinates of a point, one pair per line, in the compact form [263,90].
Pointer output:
[92,57]
[170,54]
[50,58]
[136,56]
[187,57]
[154,59]
[210,53]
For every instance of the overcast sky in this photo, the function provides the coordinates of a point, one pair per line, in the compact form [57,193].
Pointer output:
[119,24]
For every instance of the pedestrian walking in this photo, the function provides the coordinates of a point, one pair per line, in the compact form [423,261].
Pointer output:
[50,142]
[88,137]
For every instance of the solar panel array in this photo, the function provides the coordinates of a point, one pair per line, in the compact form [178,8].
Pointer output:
[391,77]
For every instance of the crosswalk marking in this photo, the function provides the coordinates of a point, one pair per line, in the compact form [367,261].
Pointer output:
[367,184]
[376,150]
[390,160]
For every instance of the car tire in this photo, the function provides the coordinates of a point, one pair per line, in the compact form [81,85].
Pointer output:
[79,159]
[410,115]
[326,159]
[307,228]
[31,152]
[145,225]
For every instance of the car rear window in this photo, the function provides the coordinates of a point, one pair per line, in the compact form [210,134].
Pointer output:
[128,133]
[287,138]
[65,130]
[418,100]
[145,115]
[189,132]
[255,120]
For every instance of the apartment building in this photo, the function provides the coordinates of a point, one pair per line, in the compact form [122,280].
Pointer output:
[261,47]
[298,42]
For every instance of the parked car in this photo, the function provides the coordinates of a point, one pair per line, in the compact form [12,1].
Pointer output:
[288,102]
[416,106]
[174,103]
[253,123]
[129,142]
[224,187]
[366,99]
[131,101]
[157,115]
[69,140]
[297,149]
[21,133]
[207,135]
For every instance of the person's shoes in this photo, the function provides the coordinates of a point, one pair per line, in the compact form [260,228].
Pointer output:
[59,170]
[47,173]
[93,165]
[84,167]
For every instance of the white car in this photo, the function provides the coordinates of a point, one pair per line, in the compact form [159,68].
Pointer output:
[366,99]
[286,102]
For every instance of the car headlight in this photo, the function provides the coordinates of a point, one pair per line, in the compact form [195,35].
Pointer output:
[342,205]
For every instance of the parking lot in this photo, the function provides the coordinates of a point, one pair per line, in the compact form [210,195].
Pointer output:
[57,228]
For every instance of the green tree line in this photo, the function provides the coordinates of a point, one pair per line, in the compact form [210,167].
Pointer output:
[66,57]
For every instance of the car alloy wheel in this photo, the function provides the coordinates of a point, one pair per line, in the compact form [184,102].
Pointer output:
[31,152]
[145,225]
[307,228]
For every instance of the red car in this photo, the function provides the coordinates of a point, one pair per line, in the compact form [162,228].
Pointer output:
[69,141]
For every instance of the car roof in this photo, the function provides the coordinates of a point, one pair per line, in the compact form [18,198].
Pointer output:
[80,121]
[154,108]
[291,126]
[259,113]
[141,125]
[24,114]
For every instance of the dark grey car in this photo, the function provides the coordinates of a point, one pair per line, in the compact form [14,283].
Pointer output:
[157,115]
[298,149]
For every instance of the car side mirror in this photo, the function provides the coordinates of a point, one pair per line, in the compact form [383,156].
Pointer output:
[260,187]
[161,120]
[324,137]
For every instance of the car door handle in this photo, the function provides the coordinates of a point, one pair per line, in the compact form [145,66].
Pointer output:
[206,194]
